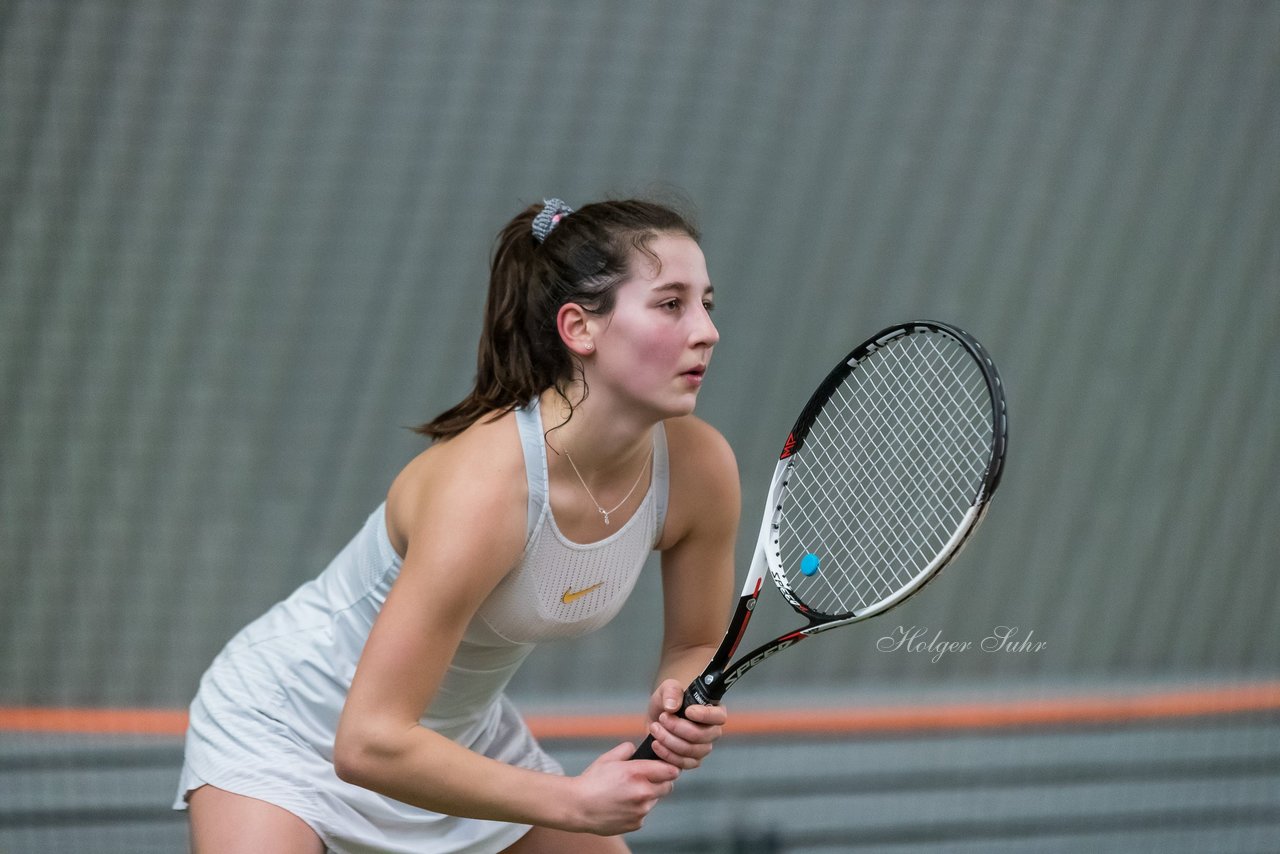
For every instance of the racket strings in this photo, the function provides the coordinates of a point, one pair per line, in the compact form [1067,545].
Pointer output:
[890,467]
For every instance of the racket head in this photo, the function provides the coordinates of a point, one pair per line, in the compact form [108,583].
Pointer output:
[886,472]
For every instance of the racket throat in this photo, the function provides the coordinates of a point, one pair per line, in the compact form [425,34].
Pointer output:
[706,690]
[736,671]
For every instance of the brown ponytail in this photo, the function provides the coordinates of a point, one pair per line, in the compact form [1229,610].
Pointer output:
[582,260]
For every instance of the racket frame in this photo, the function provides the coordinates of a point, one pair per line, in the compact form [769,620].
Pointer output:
[720,675]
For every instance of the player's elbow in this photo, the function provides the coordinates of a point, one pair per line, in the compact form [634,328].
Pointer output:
[361,755]
[350,760]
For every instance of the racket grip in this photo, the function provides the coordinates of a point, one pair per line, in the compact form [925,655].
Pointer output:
[691,696]
[645,750]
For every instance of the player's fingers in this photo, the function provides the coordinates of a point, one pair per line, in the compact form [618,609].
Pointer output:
[711,715]
[674,759]
[684,752]
[690,731]
[656,770]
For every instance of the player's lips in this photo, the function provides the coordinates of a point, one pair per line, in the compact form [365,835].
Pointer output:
[694,374]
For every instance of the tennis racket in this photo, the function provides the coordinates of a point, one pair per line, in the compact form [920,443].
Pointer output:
[885,475]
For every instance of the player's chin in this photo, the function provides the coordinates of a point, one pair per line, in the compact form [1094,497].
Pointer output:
[687,409]
[676,412]
[668,403]
[671,408]
[686,401]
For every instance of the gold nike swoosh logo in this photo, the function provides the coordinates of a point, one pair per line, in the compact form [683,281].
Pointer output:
[571,596]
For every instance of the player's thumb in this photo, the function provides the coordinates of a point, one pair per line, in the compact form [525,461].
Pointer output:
[672,695]
[621,753]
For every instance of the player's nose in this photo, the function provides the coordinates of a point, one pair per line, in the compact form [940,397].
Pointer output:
[705,332]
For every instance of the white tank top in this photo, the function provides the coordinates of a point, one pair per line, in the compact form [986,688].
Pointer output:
[303,652]
[264,720]
[561,588]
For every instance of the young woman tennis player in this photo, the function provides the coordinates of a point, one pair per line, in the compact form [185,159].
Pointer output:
[366,712]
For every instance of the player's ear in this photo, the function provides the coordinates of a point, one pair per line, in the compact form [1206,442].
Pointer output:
[573,324]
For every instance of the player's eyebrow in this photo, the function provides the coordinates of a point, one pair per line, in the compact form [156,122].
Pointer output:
[709,290]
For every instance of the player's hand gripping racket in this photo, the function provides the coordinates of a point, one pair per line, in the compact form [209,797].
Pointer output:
[885,474]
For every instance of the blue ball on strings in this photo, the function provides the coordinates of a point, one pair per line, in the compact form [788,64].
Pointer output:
[809,564]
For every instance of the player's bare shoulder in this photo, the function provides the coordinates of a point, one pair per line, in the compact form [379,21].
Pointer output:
[479,474]
[697,447]
[703,478]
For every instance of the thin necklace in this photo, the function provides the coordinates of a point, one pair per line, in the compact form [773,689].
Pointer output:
[603,512]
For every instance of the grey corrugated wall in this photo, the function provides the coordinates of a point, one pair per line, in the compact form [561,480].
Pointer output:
[242,245]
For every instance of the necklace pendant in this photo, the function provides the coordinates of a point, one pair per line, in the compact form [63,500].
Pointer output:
[603,512]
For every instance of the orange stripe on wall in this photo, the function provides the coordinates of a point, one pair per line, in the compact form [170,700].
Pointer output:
[1057,711]
[1065,710]
[94,721]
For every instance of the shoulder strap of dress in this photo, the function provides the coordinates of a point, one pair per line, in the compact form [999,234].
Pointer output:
[532,440]
[661,471]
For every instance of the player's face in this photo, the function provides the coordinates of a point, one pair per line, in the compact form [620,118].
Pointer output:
[654,347]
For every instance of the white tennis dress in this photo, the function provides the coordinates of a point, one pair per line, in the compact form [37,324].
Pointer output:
[264,719]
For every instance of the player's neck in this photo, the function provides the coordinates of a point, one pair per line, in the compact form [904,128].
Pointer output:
[603,440]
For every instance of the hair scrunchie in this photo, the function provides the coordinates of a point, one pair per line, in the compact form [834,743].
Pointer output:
[553,210]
